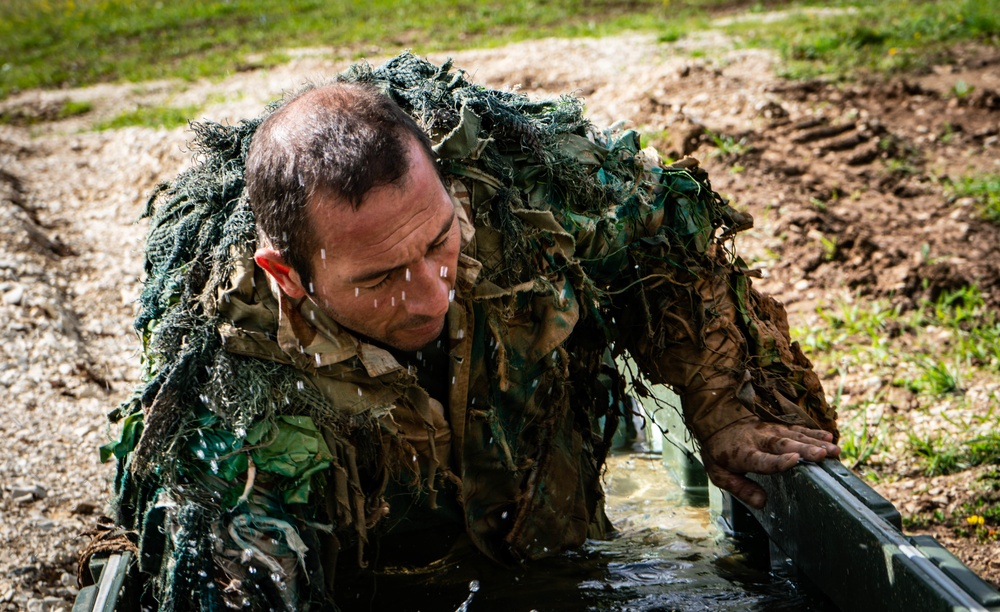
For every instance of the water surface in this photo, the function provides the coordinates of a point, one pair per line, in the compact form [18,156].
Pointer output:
[668,556]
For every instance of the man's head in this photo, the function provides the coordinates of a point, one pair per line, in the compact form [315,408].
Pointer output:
[351,211]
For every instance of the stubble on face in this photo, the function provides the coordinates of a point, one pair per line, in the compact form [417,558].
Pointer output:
[409,232]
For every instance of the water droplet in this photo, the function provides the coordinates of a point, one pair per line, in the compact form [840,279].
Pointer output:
[408,275]
[214,465]
[203,573]
[460,334]
[226,297]
[252,569]
[376,303]
[240,432]
[312,315]
[444,271]
[200,453]
[420,354]
[452,380]
[360,393]
[357,291]
[474,586]
[318,358]
[414,458]
[312,289]
[451,295]
[503,515]
[275,578]
[392,301]
[322,253]
[247,555]
[403,296]
[301,385]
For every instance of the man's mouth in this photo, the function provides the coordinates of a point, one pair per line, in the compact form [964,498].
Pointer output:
[424,328]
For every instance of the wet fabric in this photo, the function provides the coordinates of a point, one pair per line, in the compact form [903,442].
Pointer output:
[265,438]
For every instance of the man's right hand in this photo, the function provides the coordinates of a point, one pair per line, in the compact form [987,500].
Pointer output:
[750,445]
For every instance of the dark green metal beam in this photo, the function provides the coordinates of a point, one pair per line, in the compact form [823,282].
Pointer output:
[845,538]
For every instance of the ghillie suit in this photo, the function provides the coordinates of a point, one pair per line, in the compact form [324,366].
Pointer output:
[266,438]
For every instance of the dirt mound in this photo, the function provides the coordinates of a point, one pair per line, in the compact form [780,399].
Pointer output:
[850,185]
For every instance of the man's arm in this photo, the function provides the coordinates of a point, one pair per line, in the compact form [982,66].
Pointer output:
[714,380]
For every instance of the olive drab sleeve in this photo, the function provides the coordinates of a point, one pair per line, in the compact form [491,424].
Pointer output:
[706,369]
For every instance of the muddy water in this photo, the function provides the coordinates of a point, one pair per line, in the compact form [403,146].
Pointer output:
[668,556]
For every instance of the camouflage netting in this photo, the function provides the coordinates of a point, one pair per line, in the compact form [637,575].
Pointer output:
[534,156]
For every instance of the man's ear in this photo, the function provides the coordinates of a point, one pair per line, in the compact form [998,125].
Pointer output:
[274,264]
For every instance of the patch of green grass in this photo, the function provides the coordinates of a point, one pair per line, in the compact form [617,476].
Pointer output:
[73,108]
[167,117]
[859,439]
[933,351]
[974,327]
[659,138]
[984,449]
[30,114]
[58,43]
[940,455]
[934,377]
[727,146]
[884,37]
[984,189]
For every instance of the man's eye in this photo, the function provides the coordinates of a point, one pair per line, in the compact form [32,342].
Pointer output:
[381,283]
[439,245]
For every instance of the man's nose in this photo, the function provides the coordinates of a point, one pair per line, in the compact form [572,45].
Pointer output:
[428,290]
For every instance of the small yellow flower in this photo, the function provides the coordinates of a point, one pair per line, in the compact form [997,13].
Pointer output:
[893,51]
[975,519]
[916,36]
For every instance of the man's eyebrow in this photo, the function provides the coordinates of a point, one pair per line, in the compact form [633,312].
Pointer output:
[370,276]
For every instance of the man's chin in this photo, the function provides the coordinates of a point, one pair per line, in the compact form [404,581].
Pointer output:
[413,338]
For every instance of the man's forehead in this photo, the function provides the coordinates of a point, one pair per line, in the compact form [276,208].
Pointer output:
[388,215]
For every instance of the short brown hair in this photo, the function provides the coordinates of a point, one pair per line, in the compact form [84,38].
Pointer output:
[337,142]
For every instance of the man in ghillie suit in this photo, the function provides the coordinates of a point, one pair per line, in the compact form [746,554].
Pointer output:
[398,302]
